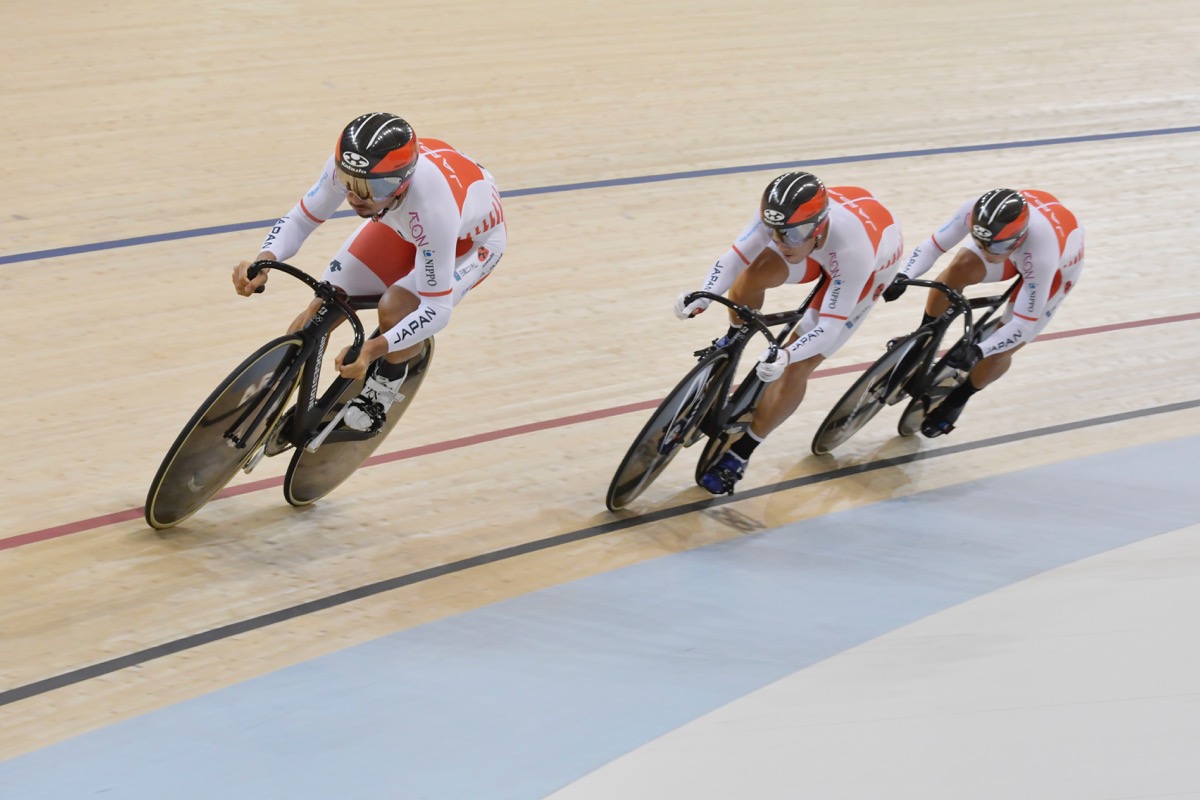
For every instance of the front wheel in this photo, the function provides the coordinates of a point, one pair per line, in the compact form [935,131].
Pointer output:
[672,425]
[312,475]
[205,457]
[882,384]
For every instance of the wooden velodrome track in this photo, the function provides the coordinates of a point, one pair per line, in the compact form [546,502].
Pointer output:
[149,144]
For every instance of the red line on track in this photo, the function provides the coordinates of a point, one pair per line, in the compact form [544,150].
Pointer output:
[69,528]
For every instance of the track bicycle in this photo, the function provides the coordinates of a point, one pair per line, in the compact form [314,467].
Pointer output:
[243,419]
[705,403]
[911,369]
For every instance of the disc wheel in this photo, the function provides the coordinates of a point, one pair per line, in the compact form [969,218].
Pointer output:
[312,475]
[203,458]
[672,426]
[882,384]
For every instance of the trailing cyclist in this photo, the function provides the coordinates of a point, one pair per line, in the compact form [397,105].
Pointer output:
[1026,234]
[801,230]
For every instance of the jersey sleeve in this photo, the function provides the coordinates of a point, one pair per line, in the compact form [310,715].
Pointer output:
[434,230]
[724,271]
[318,204]
[927,252]
[428,318]
[848,281]
[1037,267]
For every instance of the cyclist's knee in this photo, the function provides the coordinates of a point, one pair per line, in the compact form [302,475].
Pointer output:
[965,270]
[763,274]
[992,368]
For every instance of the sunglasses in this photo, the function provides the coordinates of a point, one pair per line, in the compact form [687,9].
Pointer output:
[1000,247]
[366,189]
[797,235]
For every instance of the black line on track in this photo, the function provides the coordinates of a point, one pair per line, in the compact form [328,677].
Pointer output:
[370,590]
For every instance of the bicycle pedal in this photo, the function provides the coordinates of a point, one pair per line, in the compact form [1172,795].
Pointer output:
[377,414]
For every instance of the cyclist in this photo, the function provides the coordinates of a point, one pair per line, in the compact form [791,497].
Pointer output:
[433,228]
[1027,234]
[801,230]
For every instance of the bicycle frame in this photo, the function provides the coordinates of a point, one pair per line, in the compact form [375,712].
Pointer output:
[717,418]
[704,402]
[307,366]
[960,306]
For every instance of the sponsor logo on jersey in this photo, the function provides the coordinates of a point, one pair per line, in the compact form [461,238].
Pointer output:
[835,271]
[430,274]
[316,189]
[466,271]
[416,229]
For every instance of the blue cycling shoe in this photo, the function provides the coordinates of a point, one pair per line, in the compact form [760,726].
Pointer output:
[724,474]
[941,420]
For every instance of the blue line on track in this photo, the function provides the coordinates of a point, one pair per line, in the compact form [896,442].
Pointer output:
[93,247]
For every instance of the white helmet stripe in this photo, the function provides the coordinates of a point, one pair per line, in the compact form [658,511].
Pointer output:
[382,129]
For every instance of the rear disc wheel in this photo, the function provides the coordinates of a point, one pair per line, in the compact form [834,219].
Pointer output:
[312,475]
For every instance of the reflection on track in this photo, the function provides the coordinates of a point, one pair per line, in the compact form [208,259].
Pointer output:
[622,522]
[115,517]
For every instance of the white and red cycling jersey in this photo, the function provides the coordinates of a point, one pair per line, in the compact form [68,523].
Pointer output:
[445,236]
[860,254]
[1049,264]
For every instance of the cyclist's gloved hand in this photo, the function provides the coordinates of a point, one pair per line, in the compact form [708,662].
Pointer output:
[688,310]
[964,358]
[897,287]
[771,370]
